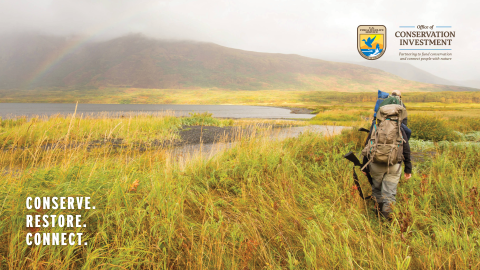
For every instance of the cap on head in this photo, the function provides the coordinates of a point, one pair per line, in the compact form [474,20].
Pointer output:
[396,93]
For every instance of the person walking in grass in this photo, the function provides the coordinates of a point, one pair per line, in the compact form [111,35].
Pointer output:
[385,149]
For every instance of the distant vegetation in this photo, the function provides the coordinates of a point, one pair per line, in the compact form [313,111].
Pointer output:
[114,95]
[409,97]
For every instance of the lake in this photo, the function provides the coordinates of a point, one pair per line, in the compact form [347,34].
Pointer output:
[9,110]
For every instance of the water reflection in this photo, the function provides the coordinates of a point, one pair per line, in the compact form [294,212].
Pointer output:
[8,110]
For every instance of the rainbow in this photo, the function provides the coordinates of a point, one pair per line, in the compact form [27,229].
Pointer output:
[76,43]
[54,58]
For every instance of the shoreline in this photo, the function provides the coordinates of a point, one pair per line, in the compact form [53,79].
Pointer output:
[296,110]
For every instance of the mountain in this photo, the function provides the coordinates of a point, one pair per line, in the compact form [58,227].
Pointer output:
[36,61]
[469,83]
[406,71]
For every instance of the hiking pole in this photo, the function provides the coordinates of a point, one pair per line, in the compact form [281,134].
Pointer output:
[351,157]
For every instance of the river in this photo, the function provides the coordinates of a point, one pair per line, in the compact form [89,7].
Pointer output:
[10,110]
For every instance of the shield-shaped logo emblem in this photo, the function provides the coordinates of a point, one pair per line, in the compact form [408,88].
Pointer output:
[371,41]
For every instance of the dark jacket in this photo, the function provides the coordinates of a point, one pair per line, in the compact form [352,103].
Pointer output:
[406,153]
[404,121]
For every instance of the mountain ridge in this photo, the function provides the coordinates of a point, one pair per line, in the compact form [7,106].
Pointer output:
[406,71]
[142,62]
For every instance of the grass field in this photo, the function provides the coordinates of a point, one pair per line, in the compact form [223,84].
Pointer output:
[261,204]
[294,98]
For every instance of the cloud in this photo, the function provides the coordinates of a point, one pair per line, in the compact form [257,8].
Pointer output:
[325,29]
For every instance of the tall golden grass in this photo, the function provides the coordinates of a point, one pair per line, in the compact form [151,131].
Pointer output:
[260,204]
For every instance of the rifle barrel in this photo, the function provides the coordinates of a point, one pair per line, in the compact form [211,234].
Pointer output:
[351,157]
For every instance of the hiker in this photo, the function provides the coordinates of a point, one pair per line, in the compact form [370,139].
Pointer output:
[385,149]
[396,98]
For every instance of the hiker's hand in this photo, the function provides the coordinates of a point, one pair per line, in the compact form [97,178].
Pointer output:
[407,176]
[364,173]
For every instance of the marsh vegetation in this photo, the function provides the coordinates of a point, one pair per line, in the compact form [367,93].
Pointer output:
[260,204]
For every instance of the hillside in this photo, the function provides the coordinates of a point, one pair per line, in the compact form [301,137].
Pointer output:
[140,62]
[469,83]
[406,71]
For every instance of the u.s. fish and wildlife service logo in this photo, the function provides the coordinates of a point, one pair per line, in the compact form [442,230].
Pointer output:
[371,41]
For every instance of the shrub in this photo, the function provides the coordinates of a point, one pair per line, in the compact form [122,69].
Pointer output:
[431,128]
[465,124]
[352,135]
[204,119]
[341,115]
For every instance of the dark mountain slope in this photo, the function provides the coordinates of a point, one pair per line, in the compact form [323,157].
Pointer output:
[137,61]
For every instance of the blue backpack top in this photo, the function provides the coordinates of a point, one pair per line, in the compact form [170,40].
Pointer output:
[381,97]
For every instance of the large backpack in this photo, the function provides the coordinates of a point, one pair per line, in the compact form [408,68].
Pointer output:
[386,141]
[391,100]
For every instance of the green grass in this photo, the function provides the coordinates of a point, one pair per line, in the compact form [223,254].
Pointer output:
[341,116]
[262,204]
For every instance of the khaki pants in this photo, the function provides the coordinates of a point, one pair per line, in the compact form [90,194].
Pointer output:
[384,186]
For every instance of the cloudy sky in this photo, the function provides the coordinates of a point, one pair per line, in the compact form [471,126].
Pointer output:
[320,29]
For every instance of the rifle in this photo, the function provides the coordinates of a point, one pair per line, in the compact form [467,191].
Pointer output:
[351,157]
[364,130]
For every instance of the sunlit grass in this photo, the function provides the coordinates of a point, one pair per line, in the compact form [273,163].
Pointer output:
[44,130]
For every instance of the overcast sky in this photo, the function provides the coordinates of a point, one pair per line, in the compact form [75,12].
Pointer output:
[320,29]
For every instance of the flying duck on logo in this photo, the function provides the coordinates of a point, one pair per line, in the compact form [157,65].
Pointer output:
[371,41]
